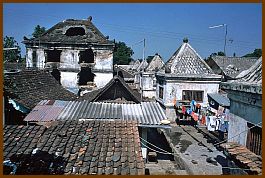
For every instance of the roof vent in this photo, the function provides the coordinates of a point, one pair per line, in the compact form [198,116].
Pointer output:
[185,40]
[89,18]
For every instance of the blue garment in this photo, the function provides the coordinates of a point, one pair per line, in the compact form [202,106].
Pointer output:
[224,126]
[10,164]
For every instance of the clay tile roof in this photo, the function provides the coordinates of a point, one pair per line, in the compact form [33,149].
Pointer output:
[186,61]
[28,87]
[75,148]
[244,157]
[57,34]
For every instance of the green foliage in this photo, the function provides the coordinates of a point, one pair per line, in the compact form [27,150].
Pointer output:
[149,59]
[255,53]
[220,53]
[38,31]
[122,54]
[11,55]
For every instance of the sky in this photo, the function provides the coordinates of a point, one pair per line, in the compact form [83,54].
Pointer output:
[163,26]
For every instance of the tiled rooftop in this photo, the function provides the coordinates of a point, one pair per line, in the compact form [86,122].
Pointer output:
[156,63]
[28,87]
[56,34]
[243,157]
[72,147]
[187,61]
[232,66]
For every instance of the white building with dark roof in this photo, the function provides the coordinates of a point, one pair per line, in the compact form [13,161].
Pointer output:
[185,76]
[70,46]
[245,94]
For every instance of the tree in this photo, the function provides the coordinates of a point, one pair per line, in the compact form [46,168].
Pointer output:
[122,54]
[38,31]
[256,53]
[149,59]
[11,55]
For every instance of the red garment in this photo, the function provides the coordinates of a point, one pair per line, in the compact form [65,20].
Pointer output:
[203,122]
[183,109]
[195,117]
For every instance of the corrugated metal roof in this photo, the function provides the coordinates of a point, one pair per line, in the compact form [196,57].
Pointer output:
[223,101]
[46,110]
[147,113]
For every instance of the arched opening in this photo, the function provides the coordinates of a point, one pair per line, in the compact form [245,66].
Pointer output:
[85,76]
[75,31]
[86,56]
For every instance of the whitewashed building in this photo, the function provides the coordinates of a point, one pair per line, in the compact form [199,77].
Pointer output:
[185,76]
[70,46]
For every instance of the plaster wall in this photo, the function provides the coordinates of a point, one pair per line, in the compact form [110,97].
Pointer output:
[237,129]
[69,59]
[29,60]
[40,58]
[101,79]
[103,59]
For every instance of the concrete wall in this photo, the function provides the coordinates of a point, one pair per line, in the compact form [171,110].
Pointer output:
[69,59]
[29,60]
[101,79]
[173,91]
[103,59]
[149,93]
[246,105]
[40,55]
[147,85]
[237,129]
[69,79]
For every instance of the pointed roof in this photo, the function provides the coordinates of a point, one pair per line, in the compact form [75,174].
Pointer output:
[156,63]
[186,61]
[116,90]
[136,64]
[142,66]
[58,33]
[231,66]
[249,81]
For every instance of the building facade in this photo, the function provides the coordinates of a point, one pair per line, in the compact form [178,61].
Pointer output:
[185,76]
[245,94]
[72,46]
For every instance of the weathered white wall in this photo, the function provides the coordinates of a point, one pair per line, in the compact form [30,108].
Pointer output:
[69,59]
[101,79]
[173,91]
[147,82]
[237,129]
[69,79]
[149,93]
[40,55]
[103,59]
[29,60]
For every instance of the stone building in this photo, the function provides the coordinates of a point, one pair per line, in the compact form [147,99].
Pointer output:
[185,76]
[74,47]
[245,94]
[147,77]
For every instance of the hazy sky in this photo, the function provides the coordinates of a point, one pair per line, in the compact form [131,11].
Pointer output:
[162,25]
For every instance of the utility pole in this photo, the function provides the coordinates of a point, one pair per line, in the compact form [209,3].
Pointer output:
[144,50]
[222,25]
